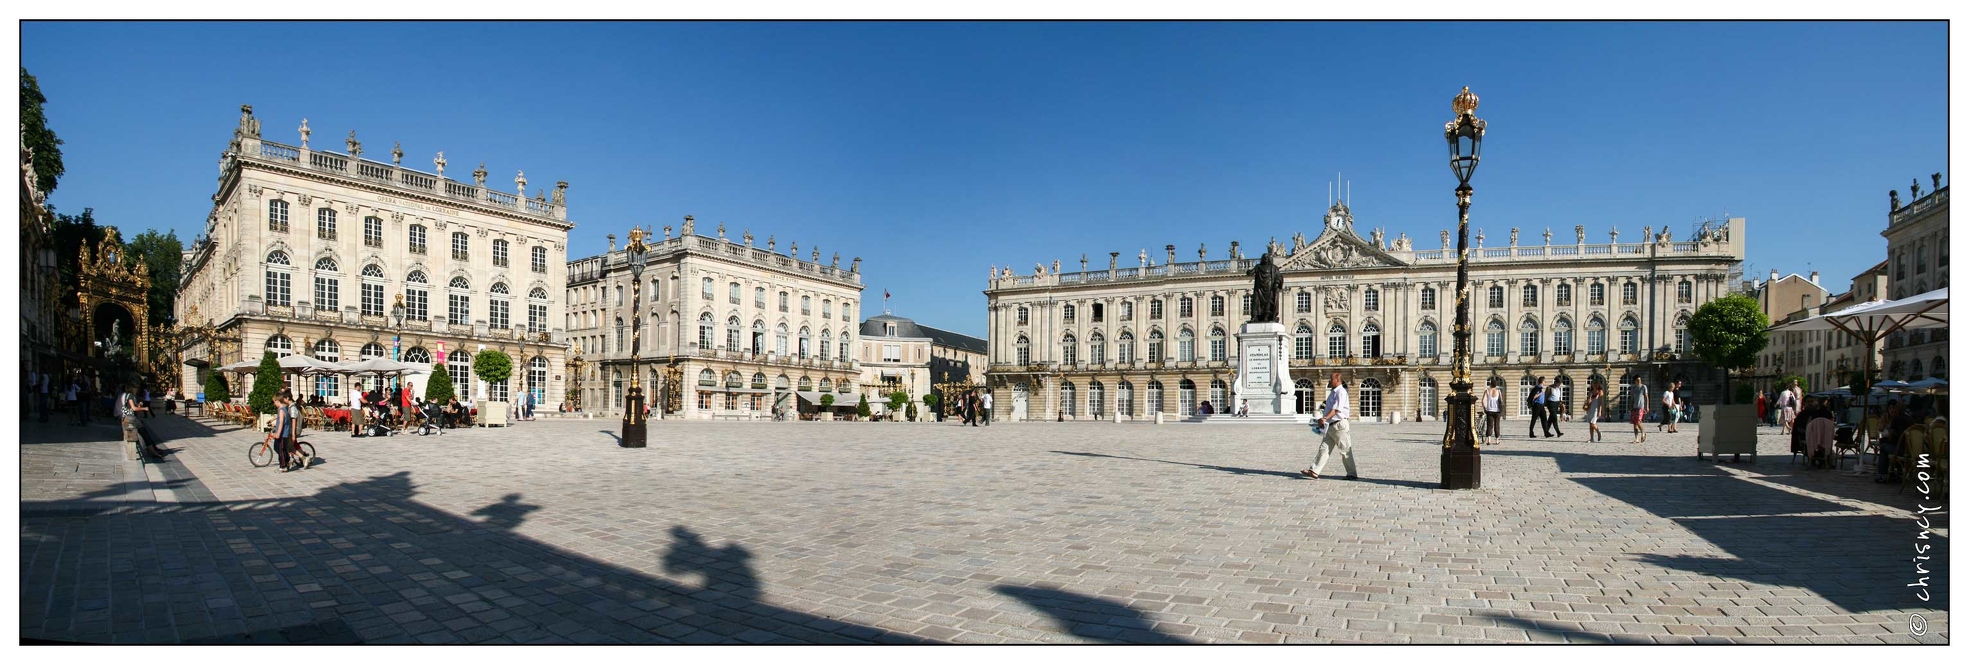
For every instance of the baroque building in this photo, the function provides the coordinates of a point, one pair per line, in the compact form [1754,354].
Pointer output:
[898,354]
[41,322]
[1917,257]
[311,251]
[1125,343]
[728,329]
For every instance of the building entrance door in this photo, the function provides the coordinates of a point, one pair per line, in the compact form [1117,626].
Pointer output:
[1020,393]
[1307,397]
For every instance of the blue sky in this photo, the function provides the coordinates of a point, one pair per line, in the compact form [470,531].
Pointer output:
[935,150]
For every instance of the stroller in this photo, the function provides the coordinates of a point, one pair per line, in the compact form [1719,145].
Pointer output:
[431,414]
[377,425]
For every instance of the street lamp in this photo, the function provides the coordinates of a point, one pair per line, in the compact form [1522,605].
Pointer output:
[396,339]
[634,426]
[1462,466]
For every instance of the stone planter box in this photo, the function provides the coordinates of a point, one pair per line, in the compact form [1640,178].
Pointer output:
[1728,429]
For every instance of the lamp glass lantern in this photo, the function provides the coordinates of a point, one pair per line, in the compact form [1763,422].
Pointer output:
[1466,137]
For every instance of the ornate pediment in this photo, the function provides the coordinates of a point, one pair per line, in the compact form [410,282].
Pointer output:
[1338,247]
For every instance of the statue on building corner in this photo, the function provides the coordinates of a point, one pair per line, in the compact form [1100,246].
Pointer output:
[396,154]
[1936,177]
[1402,243]
[1142,258]
[1445,235]
[440,163]
[355,147]
[793,249]
[304,133]
[855,267]
[666,231]
[1083,262]
[690,227]
[748,237]
[1056,266]
[478,176]
[1914,189]
[816,257]
[721,230]
[1613,235]
[560,192]
[249,126]
[1647,233]
[1480,237]
[520,182]
[1893,200]
[1201,253]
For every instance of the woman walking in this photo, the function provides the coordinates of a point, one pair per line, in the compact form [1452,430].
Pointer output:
[1639,398]
[1493,413]
[1595,400]
[1788,406]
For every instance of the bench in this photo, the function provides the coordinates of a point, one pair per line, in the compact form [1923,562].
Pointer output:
[134,437]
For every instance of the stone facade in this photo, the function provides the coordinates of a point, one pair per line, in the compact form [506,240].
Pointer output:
[1785,298]
[308,251]
[1159,335]
[41,324]
[1917,262]
[896,353]
[729,329]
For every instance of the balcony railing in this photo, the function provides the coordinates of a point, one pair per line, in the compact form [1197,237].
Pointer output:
[406,178]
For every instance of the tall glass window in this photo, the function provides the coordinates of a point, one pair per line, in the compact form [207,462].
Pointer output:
[1426,345]
[1494,338]
[327,287]
[1302,342]
[1217,350]
[277,216]
[1336,341]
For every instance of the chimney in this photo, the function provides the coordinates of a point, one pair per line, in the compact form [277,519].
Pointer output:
[1774,274]
[1815,277]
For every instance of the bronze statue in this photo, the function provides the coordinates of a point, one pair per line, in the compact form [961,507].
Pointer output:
[1266,283]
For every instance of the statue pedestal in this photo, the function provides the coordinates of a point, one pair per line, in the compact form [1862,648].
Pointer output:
[1262,379]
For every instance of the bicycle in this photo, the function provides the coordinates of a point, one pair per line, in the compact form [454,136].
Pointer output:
[260,454]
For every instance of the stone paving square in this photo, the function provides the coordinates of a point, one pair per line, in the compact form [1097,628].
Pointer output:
[833,533]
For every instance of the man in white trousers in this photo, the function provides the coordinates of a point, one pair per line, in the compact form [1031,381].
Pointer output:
[1338,437]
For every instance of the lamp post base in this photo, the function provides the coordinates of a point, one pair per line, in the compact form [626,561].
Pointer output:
[635,428]
[1462,463]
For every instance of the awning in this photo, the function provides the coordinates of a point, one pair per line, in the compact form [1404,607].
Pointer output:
[813,397]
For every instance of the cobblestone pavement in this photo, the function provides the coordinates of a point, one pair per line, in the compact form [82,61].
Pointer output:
[902,533]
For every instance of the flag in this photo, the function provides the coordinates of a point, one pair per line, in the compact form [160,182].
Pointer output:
[885,294]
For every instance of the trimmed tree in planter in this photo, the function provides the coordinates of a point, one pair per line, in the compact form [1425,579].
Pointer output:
[861,408]
[216,389]
[930,401]
[266,384]
[494,366]
[438,388]
[896,400]
[1729,332]
[827,406]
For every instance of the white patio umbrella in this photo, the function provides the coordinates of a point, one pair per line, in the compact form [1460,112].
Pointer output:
[1890,386]
[1873,321]
[1929,386]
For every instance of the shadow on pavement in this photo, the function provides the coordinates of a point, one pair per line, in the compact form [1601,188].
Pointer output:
[1091,617]
[368,557]
[1227,469]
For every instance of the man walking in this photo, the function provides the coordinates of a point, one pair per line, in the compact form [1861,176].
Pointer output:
[1668,407]
[1554,405]
[1638,410]
[1338,437]
[984,413]
[1536,403]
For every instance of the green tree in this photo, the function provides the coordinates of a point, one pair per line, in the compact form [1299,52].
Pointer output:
[1729,332]
[931,400]
[896,400]
[827,402]
[861,409]
[438,388]
[1861,385]
[216,389]
[266,384]
[163,255]
[36,136]
[1803,384]
[73,233]
[492,366]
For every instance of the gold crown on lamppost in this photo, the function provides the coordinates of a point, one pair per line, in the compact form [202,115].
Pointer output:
[1465,102]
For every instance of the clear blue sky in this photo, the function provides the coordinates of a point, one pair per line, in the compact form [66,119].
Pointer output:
[935,150]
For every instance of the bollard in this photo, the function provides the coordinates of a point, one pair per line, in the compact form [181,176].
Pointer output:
[1158,417]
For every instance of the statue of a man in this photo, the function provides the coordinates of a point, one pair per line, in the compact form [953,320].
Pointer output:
[1893,200]
[1266,283]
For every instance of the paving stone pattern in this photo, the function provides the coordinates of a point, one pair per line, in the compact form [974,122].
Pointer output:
[1019,533]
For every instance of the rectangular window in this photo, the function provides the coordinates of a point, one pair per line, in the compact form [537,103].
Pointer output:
[540,260]
[1427,344]
[372,232]
[1562,341]
[827,309]
[416,239]
[1528,342]
[1302,347]
[1186,308]
[1531,296]
[1186,349]
[1596,341]
[759,298]
[372,300]
[1630,294]
[1155,310]
[277,216]
[891,353]
[1155,351]
[806,304]
[499,314]
[1428,301]
[1216,305]
[499,248]
[416,304]
[461,247]
[1596,295]
[782,301]
[280,289]
[1217,350]
[1494,343]
[460,311]
[536,318]
[327,293]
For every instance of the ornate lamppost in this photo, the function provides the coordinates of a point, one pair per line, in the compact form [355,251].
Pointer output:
[634,425]
[1462,466]
[396,339]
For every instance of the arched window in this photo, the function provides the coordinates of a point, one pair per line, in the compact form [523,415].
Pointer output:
[1069,350]
[1024,348]
[1186,346]
[373,350]
[759,380]
[1426,344]
[758,336]
[1371,340]
[417,354]
[1562,336]
[1371,300]
[372,270]
[1220,396]
[536,379]
[500,253]
[536,310]
[1155,346]
[1682,334]
[460,310]
[328,385]
[459,364]
[1938,368]
[779,339]
[1336,341]
[1302,342]
[1630,335]
[327,287]
[280,345]
[277,216]
[1426,393]
[1154,404]
[843,346]
[1685,292]
[1125,347]
[1097,348]
[734,380]
[1067,398]
[416,296]
[1596,294]
[732,331]
[1528,337]
[1370,399]
[280,280]
[1531,295]
[500,308]
[806,343]
[1596,335]
[1562,295]
[704,324]
[1913,370]
[1497,297]
[826,343]
[1302,303]
[826,384]
[1218,352]
[1494,338]
[1185,397]
[707,377]
[1525,387]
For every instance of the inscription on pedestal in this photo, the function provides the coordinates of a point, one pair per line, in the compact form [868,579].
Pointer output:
[1258,366]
